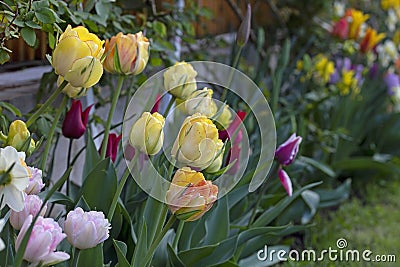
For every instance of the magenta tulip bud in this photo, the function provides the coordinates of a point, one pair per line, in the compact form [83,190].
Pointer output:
[234,153]
[86,229]
[32,206]
[35,182]
[156,104]
[244,28]
[286,152]
[112,146]
[74,125]
[230,131]
[286,182]
[43,241]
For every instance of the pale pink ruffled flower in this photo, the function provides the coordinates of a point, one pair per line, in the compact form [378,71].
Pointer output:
[86,229]
[35,182]
[32,206]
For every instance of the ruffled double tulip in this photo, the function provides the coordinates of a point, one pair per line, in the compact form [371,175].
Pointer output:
[126,54]
[197,144]
[200,101]
[32,207]
[14,178]
[43,241]
[180,80]
[370,40]
[18,135]
[86,229]
[286,152]
[190,195]
[74,125]
[76,59]
[112,146]
[217,163]
[147,133]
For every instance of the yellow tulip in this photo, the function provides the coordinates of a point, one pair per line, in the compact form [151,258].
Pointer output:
[190,195]
[200,101]
[18,134]
[357,18]
[126,54]
[217,163]
[147,133]
[198,143]
[386,4]
[225,118]
[180,80]
[77,57]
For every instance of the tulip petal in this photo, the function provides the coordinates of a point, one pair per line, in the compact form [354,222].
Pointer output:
[55,257]
[85,72]
[67,52]
[286,182]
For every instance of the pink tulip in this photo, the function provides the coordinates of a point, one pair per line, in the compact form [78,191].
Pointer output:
[74,125]
[32,206]
[156,104]
[43,241]
[86,229]
[287,151]
[341,29]
[35,181]
[234,153]
[286,182]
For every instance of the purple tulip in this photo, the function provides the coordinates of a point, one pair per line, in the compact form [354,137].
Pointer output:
[373,71]
[287,151]
[286,182]
[74,125]
[392,80]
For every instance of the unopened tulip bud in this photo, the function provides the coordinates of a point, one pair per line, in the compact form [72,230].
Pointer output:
[225,118]
[190,195]
[244,28]
[286,152]
[112,146]
[32,205]
[126,54]
[147,133]
[18,134]
[74,125]
[180,80]
[86,229]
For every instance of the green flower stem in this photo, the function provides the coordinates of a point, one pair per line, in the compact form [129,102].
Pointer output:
[74,262]
[110,115]
[52,131]
[117,194]
[46,104]
[178,235]
[235,63]
[157,241]
[171,102]
[71,140]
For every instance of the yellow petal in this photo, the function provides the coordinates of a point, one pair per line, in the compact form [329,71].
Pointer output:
[85,72]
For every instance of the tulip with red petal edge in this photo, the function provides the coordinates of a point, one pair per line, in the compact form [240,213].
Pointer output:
[230,131]
[286,182]
[112,146]
[74,125]
[287,151]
